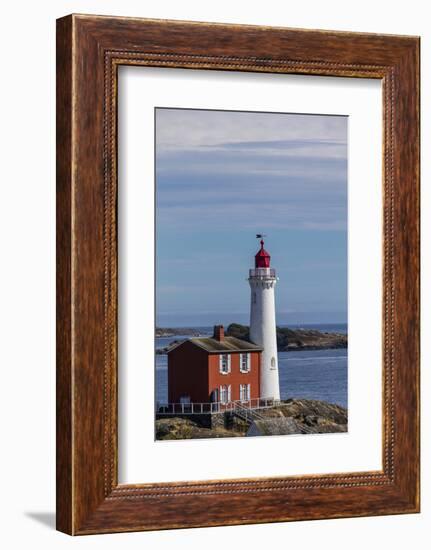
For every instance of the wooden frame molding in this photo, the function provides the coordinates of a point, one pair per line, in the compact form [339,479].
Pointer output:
[89,51]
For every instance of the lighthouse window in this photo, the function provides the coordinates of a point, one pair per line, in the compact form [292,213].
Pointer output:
[254,297]
[244,362]
[225,363]
[273,362]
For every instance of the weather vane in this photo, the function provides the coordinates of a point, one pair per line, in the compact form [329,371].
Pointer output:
[260,236]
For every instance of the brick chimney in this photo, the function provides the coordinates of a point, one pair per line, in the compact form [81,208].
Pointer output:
[218,333]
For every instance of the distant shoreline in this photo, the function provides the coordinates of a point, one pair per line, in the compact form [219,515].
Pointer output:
[196,330]
[301,339]
[177,331]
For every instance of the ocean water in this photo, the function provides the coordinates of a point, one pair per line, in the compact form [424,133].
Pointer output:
[315,374]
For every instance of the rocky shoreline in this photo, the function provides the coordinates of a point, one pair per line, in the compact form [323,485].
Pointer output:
[290,417]
[287,339]
[296,339]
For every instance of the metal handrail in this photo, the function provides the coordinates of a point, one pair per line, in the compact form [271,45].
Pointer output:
[248,415]
[219,406]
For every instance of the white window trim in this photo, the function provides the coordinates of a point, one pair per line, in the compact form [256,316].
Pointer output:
[225,393]
[244,392]
[221,394]
[221,369]
[248,367]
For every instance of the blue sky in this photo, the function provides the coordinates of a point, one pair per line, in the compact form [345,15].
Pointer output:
[222,177]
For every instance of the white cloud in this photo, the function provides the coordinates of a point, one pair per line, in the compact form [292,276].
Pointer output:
[188,129]
[251,169]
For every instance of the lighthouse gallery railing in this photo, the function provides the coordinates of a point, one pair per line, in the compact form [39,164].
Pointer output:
[262,272]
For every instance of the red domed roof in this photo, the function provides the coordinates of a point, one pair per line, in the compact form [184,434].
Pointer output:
[262,258]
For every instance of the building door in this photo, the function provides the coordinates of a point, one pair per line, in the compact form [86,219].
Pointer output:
[185,399]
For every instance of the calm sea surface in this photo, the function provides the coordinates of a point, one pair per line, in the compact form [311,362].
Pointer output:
[319,374]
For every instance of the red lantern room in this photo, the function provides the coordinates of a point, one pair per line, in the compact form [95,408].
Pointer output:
[262,258]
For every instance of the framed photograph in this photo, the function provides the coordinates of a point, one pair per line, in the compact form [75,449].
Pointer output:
[233,172]
[237,274]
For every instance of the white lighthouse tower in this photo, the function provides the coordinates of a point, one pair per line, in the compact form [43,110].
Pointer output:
[262,281]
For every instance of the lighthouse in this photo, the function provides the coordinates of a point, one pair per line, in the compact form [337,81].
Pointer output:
[262,281]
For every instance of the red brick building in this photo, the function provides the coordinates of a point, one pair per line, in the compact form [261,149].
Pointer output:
[217,369]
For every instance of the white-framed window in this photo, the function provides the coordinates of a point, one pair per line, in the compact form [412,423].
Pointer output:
[244,392]
[273,365]
[225,393]
[224,363]
[244,362]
